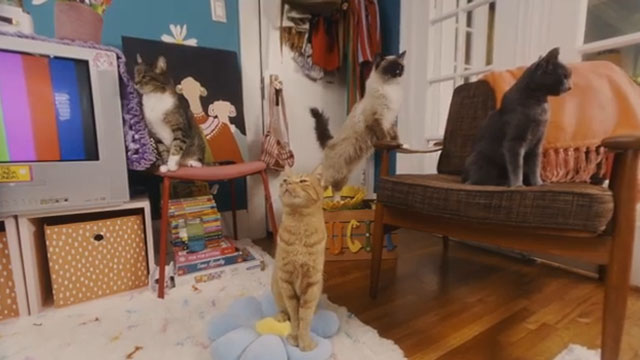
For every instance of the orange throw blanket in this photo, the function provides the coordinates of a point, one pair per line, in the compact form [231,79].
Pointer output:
[604,101]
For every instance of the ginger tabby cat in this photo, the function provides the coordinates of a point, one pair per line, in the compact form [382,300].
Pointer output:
[297,278]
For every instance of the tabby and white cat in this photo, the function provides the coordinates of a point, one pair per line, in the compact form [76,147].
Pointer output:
[372,119]
[297,278]
[178,137]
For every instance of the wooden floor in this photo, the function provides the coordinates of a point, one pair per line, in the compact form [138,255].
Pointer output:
[475,304]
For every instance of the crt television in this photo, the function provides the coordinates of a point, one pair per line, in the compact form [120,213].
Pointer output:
[61,136]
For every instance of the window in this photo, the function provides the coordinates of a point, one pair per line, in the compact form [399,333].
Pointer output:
[612,33]
[460,50]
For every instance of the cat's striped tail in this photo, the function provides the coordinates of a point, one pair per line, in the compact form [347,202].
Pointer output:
[322,127]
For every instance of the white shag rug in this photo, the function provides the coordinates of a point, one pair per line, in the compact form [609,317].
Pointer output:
[137,325]
[578,352]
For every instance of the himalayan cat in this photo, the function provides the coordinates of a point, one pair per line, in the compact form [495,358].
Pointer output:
[372,119]
[178,138]
[508,147]
[297,278]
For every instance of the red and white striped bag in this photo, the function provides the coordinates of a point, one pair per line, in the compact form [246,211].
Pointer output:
[276,152]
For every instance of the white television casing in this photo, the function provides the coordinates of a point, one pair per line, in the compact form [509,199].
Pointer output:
[75,184]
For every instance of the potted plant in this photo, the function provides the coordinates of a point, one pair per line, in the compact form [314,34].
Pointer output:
[80,19]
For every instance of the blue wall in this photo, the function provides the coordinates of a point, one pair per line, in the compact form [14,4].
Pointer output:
[149,19]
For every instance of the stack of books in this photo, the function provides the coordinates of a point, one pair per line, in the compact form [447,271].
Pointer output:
[195,220]
[201,253]
[218,261]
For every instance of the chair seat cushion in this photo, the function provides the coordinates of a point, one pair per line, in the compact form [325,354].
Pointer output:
[580,207]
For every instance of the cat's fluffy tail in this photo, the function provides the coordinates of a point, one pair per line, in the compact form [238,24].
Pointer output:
[322,127]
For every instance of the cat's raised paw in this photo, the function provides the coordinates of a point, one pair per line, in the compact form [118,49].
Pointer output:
[194,163]
[164,168]
[172,166]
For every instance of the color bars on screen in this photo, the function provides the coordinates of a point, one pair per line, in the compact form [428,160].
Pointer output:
[46,109]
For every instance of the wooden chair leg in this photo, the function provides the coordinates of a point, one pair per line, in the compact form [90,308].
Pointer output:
[445,244]
[615,296]
[233,208]
[376,251]
[269,204]
[623,182]
[164,228]
[602,272]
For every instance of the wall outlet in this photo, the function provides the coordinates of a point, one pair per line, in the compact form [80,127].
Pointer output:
[219,10]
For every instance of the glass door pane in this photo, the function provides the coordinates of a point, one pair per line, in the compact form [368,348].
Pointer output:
[628,58]
[611,18]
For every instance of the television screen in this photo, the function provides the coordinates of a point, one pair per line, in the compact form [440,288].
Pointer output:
[46,109]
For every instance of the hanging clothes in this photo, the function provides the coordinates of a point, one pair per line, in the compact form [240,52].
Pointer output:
[294,28]
[363,44]
[295,33]
[325,43]
[369,44]
[304,59]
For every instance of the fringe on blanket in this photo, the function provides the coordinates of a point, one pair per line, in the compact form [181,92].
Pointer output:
[579,164]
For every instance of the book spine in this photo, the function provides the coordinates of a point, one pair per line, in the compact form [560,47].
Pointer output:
[204,198]
[190,206]
[183,257]
[210,264]
[185,211]
[219,273]
[195,198]
[186,203]
[207,211]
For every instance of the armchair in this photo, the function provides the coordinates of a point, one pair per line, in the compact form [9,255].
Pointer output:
[582,221]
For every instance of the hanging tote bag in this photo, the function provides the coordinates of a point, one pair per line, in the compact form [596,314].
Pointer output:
[276,152]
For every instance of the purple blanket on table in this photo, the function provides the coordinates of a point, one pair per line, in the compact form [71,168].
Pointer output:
[140,148]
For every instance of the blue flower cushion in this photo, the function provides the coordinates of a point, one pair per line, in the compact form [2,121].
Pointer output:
[235,333]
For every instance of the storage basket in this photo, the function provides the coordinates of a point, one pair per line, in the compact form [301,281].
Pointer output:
[88,260]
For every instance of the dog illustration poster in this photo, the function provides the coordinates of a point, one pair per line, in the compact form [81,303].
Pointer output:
[209,83]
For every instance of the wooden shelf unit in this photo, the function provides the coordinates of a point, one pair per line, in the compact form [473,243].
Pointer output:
[34,250]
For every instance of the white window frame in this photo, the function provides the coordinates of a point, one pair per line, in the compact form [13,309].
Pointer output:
[447,65]
[604,44]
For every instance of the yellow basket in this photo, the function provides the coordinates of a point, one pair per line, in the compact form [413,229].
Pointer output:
[351,197]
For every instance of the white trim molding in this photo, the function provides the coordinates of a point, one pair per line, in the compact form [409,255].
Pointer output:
[610,43]
[412,120]
[252,222]
[463,74]
[460,10]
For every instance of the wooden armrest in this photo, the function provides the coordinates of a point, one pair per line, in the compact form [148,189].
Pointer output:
[622,142]
[393,145]
[428,150]
[387,145]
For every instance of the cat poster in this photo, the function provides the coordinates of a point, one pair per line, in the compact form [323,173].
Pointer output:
[209,83]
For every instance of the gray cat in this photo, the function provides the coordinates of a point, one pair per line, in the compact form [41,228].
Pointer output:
[178,137]
[508,147]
